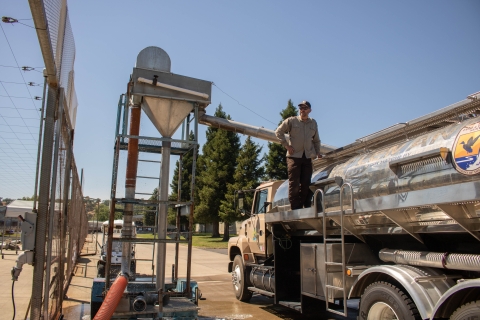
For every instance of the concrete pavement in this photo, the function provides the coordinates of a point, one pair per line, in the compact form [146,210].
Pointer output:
[209,269]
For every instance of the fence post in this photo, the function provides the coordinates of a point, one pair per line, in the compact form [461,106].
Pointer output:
[43,201]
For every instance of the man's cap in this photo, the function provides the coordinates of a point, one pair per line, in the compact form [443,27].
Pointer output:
[305,103]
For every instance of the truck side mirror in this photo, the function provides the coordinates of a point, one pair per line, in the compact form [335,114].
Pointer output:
[241,197]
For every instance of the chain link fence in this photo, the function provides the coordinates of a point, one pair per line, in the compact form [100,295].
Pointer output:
[61,219]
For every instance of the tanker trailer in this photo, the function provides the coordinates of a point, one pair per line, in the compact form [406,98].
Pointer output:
[393,227]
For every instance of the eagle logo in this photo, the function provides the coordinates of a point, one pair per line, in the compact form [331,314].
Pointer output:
[466,152]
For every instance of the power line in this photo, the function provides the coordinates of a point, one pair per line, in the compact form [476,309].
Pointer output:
[13,20]
[9,96]
[30,109]
[24,68]
[243,105]
[16,62]
[15,110]
[30,83]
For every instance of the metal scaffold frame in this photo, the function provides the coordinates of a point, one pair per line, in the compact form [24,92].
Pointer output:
[153,145]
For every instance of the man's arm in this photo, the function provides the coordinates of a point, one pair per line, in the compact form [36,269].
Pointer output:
[283,128]
[316,142]
[280,132]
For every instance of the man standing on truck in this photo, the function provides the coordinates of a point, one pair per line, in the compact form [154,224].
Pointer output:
[304,145]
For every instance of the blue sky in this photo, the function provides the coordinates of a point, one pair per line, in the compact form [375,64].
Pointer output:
[363,65]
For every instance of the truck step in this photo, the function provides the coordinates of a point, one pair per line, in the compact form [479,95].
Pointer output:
[334,287]
[295,305]
[262,292]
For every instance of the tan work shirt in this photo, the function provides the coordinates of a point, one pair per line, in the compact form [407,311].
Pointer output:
[304,136]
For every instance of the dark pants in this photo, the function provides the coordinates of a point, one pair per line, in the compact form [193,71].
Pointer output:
[299,178]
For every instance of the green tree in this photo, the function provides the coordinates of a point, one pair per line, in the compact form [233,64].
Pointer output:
[102,212]
[7,200]
[216,168]
[247,175]
[32,198]
[150,213]
[186,177]
[275,159]
[90,203]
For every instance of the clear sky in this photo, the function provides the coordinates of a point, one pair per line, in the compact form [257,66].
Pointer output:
[363,65]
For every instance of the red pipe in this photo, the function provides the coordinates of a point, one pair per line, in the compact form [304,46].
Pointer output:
[112,299]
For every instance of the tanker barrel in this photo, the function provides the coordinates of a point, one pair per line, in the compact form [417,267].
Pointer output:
[249,130]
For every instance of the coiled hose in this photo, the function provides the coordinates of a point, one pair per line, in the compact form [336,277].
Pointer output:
[112,299]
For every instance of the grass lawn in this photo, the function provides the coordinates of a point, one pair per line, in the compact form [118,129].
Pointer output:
[200,240]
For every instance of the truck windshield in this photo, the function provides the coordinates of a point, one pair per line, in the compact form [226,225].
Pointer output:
[260,199]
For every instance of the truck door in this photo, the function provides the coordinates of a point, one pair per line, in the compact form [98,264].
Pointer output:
[256,225]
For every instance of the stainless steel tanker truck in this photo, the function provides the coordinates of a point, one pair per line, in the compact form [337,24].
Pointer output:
[394,224]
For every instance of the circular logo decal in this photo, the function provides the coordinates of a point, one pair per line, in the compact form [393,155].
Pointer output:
[466,149]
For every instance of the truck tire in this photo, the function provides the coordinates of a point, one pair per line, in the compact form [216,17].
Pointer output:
[382,300]
[469,311]
[240,280]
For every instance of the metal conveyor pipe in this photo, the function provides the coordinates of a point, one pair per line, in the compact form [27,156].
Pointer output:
[249,130]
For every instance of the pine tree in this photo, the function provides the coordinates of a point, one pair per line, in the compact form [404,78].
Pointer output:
[216,168]
[247,176]
[185,192]
[150,213]
[275,159]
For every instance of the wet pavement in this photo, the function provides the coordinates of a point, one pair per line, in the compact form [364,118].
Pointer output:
[209,269]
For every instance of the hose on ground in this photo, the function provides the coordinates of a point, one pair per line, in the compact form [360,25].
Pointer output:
[112,299]
[13,300]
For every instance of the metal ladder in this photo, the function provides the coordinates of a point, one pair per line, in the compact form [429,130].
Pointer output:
[331,266]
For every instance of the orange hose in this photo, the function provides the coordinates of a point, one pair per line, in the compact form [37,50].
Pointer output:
[112,299]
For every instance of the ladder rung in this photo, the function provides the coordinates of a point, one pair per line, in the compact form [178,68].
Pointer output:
[332,239]
[145,177]
[149,161]
[328,263]
[334,287]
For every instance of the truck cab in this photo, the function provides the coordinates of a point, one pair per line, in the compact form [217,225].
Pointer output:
[254,243]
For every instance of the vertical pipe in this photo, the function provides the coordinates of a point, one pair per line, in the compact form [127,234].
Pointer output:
[63,224]
[130,183]
[162,214]
[58,137]
[119,112]
[187,129]
[125,114]
[179,198]
[113,189]
[96,226]
[43,197]
[192,206]
[111,216]
[81,181]
[40,140]
[75,212]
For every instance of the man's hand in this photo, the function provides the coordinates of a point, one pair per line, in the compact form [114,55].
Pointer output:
[319,156]
[290,150]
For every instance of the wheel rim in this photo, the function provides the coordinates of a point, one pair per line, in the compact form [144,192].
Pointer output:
[381,311]
[236,277]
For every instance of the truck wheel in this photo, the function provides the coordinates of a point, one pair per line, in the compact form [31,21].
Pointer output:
[469,311]
[239,280]
[382,300]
